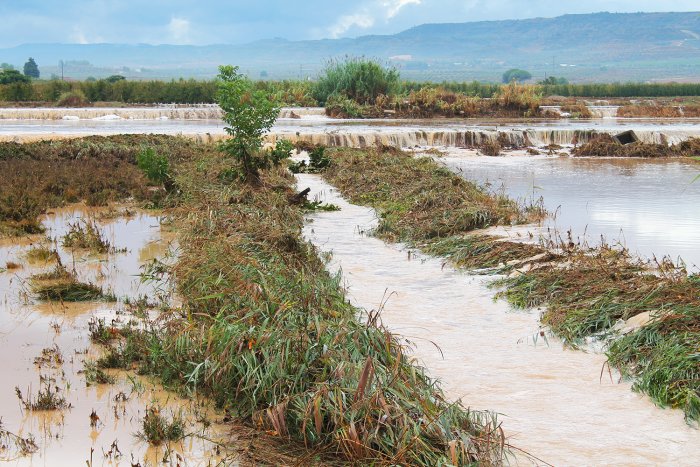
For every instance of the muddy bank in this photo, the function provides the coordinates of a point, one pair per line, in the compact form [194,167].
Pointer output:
[554,401]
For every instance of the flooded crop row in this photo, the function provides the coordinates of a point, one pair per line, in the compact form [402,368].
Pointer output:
[563,406]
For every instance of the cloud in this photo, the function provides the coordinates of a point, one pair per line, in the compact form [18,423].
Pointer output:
[79,36]
[394,6]
[361,20]
[179,29]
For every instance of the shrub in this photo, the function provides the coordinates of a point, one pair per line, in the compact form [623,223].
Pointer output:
[359,79]
[153,165]
[72,99]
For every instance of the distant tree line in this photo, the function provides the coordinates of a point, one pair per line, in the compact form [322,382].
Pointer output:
[359,82]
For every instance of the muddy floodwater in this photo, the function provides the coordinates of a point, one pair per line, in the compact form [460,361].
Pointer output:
[311,125]
[650,206]
[27,327]
[561,406]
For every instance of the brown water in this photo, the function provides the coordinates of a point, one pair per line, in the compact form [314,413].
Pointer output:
[554,402]
[650,206]
[65,437]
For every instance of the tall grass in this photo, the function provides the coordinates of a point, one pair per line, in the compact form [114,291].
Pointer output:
[266,331]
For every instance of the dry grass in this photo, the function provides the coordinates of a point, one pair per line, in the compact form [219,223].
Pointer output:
[605,145]
[47,174]
[649,111]
[86,234]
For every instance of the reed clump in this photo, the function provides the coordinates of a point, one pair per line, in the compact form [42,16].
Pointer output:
[86,234]
[41,254]
[157,428]
[49,397]
[62,285]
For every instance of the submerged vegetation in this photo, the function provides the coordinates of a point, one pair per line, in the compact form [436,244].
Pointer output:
[157,428]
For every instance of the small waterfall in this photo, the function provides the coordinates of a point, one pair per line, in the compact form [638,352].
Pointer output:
[603,111]
[303,112]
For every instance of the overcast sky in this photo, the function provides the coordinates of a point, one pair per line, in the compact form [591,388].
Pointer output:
[239,21]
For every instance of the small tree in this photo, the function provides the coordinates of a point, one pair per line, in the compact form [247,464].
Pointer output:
[249,114]
[31,69]
[516,74]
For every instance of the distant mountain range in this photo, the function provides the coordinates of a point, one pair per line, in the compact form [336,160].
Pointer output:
[591,47]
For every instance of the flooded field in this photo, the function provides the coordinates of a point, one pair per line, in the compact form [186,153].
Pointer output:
[558,406]
[648,206]
[47,349]
[562,406]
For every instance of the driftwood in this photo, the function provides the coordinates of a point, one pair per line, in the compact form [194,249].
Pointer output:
[300,198]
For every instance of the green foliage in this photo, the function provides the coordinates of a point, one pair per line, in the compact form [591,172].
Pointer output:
[342,106]
[155,166]
[516,74]
[248,114]
[9,76]
[115,78]
[359,79]
[318,161]
[318,158]
[31,69]
[553,80]
[281,151]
